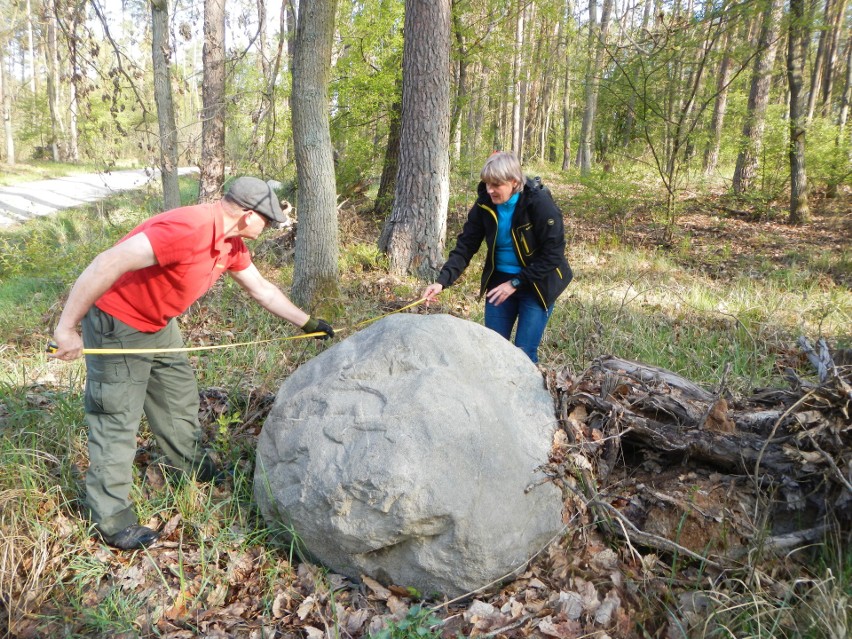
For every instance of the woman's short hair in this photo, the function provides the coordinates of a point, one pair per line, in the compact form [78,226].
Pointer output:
[501,167]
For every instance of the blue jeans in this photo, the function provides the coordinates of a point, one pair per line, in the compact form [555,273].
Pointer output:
[524,307]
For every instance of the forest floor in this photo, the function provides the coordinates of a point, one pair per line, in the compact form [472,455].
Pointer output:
[581,585]
[718,235]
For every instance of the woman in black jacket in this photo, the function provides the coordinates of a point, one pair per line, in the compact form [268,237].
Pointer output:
[525,268]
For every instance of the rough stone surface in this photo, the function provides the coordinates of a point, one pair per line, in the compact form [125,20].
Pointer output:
[403,453]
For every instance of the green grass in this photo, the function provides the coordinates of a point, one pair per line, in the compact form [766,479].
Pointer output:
[44,170]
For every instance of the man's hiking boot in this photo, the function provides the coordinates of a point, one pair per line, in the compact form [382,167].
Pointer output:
[132,537]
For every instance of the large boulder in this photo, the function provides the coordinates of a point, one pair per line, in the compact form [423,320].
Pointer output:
[409,452]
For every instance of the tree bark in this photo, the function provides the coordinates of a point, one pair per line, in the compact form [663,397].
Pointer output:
[517,71]
[822,76]
[387,186]
[6,106]
[835,29]
[414,234]
[720,107]
[212,167]
[568,30]
[797,42]
[461,95]
[597,42]
[843,117]
[32,51]
[315,273]
[77,18]
[161,52]
[630,118]
[755,122]
[52,61]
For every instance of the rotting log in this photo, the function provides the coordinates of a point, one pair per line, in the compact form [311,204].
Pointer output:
[660,458]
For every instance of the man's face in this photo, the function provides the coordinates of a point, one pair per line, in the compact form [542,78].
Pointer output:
[254,224]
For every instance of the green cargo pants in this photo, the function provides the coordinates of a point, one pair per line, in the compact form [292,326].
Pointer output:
[118,389]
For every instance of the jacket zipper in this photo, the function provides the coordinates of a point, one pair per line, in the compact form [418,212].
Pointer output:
[523,263]
[493,252]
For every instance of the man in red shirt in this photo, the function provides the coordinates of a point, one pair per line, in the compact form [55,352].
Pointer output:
[128,297]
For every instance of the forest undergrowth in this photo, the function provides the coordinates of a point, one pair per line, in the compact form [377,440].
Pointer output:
[731,289]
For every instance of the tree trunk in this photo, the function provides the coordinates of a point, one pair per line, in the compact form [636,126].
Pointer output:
[77,18]
[568,30]
[212,167]
[797,42]
[597,44]
[475,121]
[847,96]
[549,83]
[823,71]
[835,30]
[387,186]
[262,56]
[461,96]
[259,139]
[755,122]
[720,107]
[161,52]
[6,106]
[52,61]
[32,51]
[819,60]
[315,273]
[630,118]
[517,73]
[414,234]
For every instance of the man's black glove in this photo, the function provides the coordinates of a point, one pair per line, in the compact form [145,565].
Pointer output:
[318,326]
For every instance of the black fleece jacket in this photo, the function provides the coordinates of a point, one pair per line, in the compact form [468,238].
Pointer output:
[538,236]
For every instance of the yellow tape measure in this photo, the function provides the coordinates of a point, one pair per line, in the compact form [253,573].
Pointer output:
[52,346]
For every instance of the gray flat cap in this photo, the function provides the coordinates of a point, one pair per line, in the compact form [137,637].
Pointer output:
[257,195]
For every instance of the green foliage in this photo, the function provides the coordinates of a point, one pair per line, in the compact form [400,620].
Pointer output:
[33,132]
[42,170]
[612,197]
[363,257]
[419,623]
[257,135]
[827,158]
[365,87]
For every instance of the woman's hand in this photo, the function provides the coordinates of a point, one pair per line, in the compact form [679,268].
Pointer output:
[501,293]
[432,292]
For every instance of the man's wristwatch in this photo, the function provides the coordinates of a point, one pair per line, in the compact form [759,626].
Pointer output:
[515,282]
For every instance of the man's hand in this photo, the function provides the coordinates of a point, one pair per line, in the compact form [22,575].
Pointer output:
[318,326]
[432,291]
[68,345]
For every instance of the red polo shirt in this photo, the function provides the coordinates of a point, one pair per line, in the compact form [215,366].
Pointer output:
[191,254]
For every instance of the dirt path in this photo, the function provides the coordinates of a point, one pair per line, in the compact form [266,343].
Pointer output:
[28,200]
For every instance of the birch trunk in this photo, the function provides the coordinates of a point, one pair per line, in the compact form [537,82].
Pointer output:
[797,42]
[6,105]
